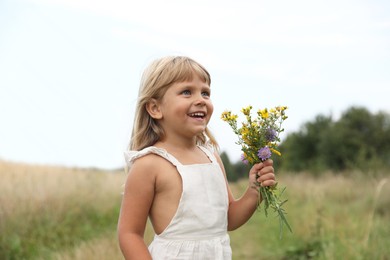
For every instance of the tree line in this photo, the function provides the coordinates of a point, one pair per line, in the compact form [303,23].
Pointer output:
[358,140]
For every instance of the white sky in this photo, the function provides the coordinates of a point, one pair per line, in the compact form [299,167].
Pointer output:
[70,69]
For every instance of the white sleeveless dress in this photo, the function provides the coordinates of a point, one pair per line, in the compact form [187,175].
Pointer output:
[198,229]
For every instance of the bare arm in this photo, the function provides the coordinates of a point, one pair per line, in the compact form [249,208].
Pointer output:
[137,200]
[242,209]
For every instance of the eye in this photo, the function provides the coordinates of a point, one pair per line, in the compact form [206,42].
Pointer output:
[206,93]
[186,92]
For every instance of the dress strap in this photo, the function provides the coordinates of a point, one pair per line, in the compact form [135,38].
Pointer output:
[209,153]
[131,156]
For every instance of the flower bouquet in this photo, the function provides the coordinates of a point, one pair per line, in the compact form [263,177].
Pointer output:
[258,138]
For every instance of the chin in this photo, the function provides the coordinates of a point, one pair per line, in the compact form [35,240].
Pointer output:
[199,131]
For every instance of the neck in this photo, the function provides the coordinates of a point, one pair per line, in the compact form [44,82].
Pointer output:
[184,152]
[177,144]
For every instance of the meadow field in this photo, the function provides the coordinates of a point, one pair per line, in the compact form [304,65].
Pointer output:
[49,212]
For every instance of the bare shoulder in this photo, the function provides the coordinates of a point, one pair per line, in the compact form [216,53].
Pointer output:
[148,160]
[147,165]
[143,174]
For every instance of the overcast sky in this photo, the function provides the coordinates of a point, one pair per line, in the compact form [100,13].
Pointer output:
[70,69]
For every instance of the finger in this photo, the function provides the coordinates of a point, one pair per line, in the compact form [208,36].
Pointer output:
[265,177]
[256,168]
[268,183]
[265,170]
[268,162]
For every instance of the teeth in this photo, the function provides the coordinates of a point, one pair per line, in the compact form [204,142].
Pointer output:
[198,114]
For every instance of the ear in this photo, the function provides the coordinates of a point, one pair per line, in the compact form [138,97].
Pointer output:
[153,108]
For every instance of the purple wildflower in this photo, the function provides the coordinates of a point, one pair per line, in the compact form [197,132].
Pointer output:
[270,135]
[245,161]
[264,153]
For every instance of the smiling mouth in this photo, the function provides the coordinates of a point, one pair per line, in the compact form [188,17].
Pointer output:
[197,115]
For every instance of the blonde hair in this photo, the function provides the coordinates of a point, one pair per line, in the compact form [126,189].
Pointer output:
[155,81]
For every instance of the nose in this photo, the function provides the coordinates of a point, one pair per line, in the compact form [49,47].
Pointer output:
[200,101]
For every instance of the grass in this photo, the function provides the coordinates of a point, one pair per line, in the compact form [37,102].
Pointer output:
[330,217]
[45,209]
[61,213]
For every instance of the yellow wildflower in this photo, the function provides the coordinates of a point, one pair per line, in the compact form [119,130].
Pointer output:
[246,111]
[276,151]
[263,113]
[228,116]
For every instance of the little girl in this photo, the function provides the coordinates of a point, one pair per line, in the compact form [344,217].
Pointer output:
[176,177]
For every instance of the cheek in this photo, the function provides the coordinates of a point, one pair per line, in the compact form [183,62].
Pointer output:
[210,109]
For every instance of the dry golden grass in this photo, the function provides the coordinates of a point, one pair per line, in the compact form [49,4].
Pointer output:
[42,204]
[102,248]
[332,216]
[32,188]
[344,216]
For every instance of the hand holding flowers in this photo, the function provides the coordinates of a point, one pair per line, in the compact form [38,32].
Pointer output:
[259,138]
[262,173]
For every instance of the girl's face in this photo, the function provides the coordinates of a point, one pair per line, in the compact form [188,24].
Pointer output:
[186,108]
